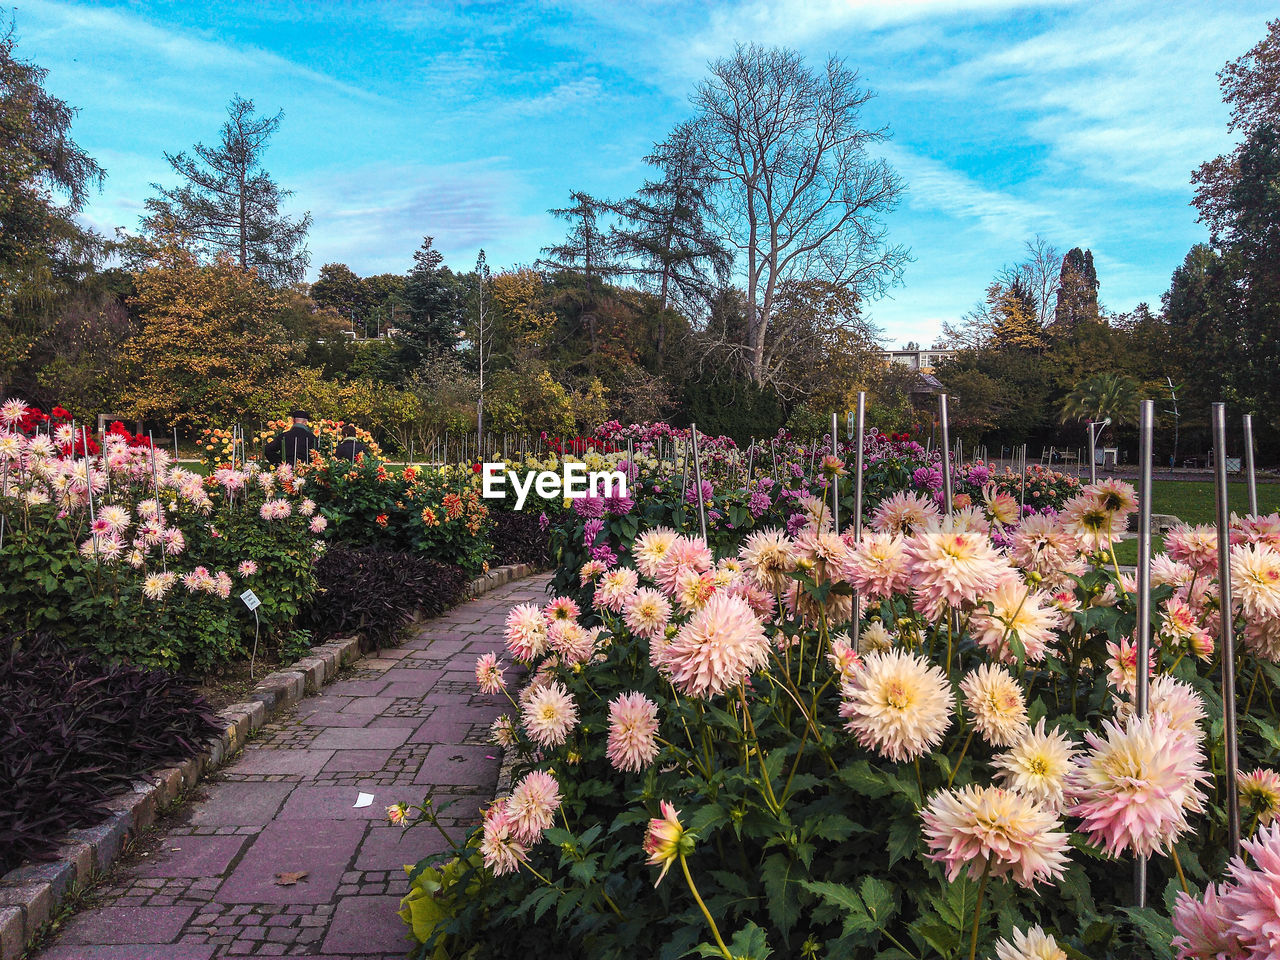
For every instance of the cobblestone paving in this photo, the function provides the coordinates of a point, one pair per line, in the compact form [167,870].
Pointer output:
[404,722]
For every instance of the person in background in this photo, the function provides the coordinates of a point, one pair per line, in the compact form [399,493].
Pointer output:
[295,444]
[350,445]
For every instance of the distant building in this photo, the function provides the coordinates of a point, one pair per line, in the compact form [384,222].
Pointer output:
[917,358]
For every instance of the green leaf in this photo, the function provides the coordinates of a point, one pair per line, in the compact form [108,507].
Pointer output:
[1157,931]
[782,902]
[878,896]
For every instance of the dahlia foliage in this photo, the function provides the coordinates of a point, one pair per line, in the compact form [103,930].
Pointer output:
[918,741]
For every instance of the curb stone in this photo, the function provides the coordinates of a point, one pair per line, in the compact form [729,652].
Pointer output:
[30,894]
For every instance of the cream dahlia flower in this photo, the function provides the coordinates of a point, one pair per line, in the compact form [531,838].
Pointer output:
[898,704]
[996,703]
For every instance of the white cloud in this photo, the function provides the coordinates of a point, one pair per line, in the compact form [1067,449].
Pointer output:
[933,186]
[115,28]
[373,217]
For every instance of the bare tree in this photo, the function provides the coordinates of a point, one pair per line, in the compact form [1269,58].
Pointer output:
[1039,273]
[794,190]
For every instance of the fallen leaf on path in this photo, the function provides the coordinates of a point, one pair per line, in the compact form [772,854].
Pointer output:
[290,878]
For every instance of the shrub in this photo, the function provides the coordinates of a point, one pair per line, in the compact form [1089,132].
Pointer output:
[75,732]
[518,537]
[373,592]
[436,513]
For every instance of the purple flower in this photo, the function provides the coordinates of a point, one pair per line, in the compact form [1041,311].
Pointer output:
[797,470]
[764,483]
[758,504]
[591,530]
[543,521]
[618,506]
[588,506]
[707,491]
[927,478]
[795,523]
[602,553]
[979,474]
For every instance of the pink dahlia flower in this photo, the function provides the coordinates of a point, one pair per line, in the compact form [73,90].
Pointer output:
[1135,785]
[876,566]
[549,715]
[952,569]
[1251,898]
[501,850]
[526,633]
[633,728]
[647,613]
[989,829]
[489,674]
[718,649]
[532,806]
[1204,928]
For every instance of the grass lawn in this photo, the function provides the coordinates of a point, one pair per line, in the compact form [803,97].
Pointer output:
[1192,501]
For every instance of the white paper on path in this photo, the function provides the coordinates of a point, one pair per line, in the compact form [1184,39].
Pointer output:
[363,800]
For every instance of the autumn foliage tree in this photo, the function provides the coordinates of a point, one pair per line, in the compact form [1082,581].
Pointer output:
[208,339]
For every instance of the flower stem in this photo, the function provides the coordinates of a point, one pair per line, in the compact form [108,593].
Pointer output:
[715,931]
[1177,864]
[954,770]
[977,912]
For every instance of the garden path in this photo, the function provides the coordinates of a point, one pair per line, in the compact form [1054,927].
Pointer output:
[402,722]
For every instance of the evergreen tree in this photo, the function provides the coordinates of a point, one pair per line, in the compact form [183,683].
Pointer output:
[227,203]
[664,236]
[664,232]
[585,249]
[433,304]
[339,289]
[43,250]
[1077,292]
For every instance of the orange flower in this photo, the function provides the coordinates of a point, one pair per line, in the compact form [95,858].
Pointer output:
[380,519]
[429,517]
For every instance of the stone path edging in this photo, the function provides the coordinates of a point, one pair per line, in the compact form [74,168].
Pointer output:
[30,895]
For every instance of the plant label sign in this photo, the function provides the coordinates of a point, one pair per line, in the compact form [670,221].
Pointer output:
[251,600]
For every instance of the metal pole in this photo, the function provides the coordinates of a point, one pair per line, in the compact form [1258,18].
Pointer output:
[945,447]
[1093,454]
[697,478]
[1251,479]
[860,425]
[773,453]
[1228,647]
[835,480]
[751,463]
[1146,430]
[1022,480]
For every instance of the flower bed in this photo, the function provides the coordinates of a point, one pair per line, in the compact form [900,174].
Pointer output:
[709,762]
[122,553]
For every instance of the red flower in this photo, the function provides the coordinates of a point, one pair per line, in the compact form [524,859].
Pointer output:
[476,468]
[60,414]
[380,519]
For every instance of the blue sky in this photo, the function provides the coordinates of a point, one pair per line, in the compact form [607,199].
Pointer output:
[1077,121]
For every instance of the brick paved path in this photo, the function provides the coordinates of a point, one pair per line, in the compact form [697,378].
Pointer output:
[403,722]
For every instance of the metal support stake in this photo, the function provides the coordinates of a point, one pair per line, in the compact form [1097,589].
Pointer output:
[835,481]
[860,426]
[697,478]
[945,448]
[1251,479]
[1228,645]
[1146,430]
